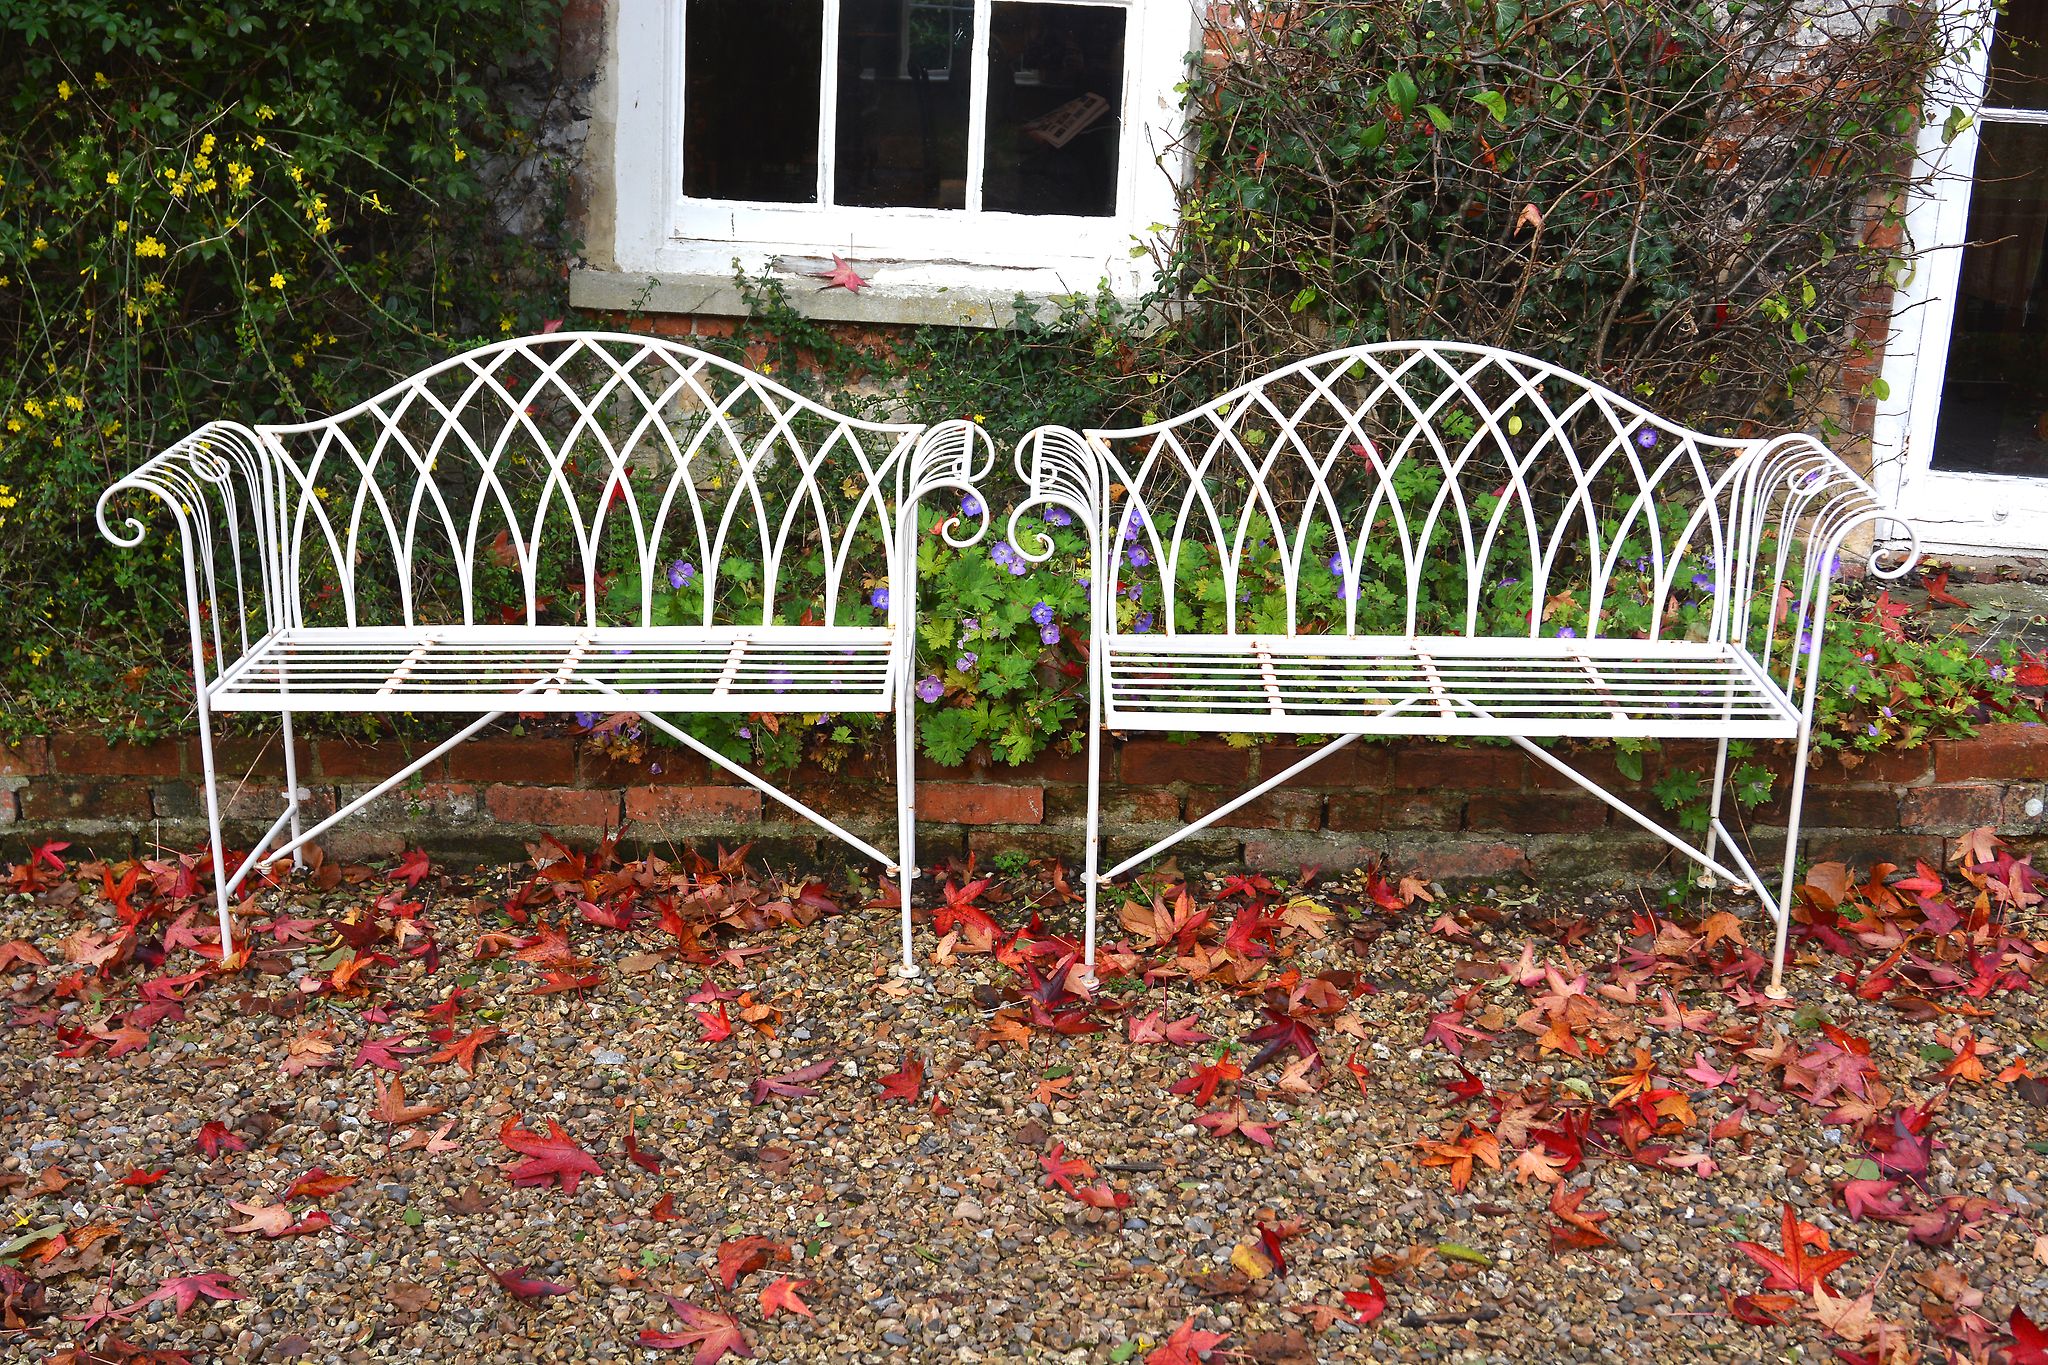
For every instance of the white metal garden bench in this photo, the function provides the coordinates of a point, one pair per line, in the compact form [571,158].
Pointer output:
[1440,539]
[578,522]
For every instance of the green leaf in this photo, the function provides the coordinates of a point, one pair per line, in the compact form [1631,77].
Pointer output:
[1458,1251]
[1495,103]
[1438,117]
[1863,1168]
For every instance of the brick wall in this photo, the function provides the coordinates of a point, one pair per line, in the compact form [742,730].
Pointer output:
[1455,812]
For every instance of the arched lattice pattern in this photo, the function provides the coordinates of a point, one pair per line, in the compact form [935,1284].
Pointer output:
[586,479]
[1431,489]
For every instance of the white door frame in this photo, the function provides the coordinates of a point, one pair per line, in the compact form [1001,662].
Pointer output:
[1956,513]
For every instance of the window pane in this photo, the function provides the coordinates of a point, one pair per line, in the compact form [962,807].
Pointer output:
[903,92]
[1994,398]
[750,99]
[1055,99]
[2019,57]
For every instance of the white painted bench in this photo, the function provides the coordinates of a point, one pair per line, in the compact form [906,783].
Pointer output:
[1439,539]
[579,522]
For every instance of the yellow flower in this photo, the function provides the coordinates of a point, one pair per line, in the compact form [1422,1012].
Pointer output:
[321,225]
[276,280]
[152,287]
[208,185]
[41,242]
[150,246]
[504,324]
[99,78]
[206,145]
[460,155]
[262,141]
[264,111]
[113,177]
[63,90]
[297,173]
[74,402]
[120,225]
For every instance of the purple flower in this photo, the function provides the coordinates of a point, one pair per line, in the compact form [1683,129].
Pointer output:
[1873,728]
[1567,633]
[879,599]
[585,719]
[1139,559]
[1003,554]
[1143,623]
[1886,712]
[781,680]
[1041,612]
[966,662]
[680,573]
[1131,531]
[746,732]
[1998,672]
[970,506]
[1647,439]
[1049,633]
[1337,563]
[1703,581]
[929,688]
[1058,516]
[1806,642]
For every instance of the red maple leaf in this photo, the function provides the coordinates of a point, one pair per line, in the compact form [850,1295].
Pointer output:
[1061,1172]
[1187,1346]
[412,868]
[1580,1229]
[744,1255]
[840,276]
[1790,1268]
[214,1135]
[138,1178]
[388,1053]
[463,1050]
[1936,583]
[2029,1342]
[318,1184]
[526,1290]
[553,1157]
[790,1084]
[645,1160]
[712,1335]
[907,1082]
[1368,1305]
[182,1291]
[781,1297]
[20,952]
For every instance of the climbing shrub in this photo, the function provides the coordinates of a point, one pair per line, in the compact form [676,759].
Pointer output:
[251,209]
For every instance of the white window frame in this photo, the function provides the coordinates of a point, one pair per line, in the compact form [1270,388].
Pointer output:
[1957,512]
[659,232]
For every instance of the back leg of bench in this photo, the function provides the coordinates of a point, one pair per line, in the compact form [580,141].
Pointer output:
[1793,814]
[1091,878]
[906,808]
[221,872]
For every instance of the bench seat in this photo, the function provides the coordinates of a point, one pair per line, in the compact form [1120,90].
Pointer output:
[791,669]
[1393,685]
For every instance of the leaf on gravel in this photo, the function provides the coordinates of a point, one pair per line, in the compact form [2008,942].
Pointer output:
[318,1184]
[526,1290]
[713,1336]
[744,1255]
[1188,1345]
[391,1107]
[1790,1268]
[182,1291]
[639,1156]
[463,1050]
[214,1137]
[551,1158]
[781,1297]
[1366,1305]
[790,1084]
[906,1083]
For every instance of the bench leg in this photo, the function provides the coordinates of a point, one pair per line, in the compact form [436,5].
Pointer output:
[291,792]
[1714,802]
[1793,812]
[906,814]
[1091,878]
[221,872]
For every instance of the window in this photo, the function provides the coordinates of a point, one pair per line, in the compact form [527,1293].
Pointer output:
[968,148]
[1966,424]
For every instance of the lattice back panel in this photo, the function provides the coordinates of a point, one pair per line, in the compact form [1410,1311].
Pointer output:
[1421,488]
[588,478]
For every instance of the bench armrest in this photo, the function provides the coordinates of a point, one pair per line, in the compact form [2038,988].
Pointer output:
[954,455]
[1797,502]
[221,485]
[1059,469]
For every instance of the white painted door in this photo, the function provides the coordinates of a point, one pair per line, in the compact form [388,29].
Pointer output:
[1962,435]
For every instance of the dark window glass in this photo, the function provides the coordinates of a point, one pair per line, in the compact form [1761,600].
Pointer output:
[1055,105]
[750,99]
[903,93]
[2019,57]
[1994,394]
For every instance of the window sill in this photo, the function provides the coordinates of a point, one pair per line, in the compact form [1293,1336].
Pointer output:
[934,293]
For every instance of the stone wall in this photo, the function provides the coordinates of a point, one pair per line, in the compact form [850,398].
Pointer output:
[1454,812]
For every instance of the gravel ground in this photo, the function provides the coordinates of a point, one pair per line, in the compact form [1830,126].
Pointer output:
[928,1223]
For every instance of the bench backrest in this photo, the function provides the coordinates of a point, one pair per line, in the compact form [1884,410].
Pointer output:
[1420,488]
[587,478]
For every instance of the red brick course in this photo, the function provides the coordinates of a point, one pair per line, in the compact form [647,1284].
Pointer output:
[704,807]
